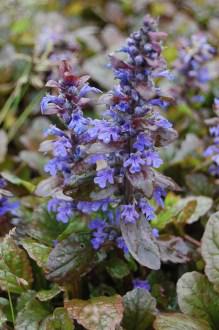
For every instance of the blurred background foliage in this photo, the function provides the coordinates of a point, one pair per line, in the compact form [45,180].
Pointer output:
[34,36]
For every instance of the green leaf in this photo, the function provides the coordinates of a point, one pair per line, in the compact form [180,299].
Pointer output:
[141,243]
[117,268]
[203,205]
[20,26]
[101,290]
[74,226]
[3,145]
[140,310]
[37,251]
[30,317]
[173,249]
[48,187]
[24,298]
[59,321]
[33,159]
[15,272]
[197,298]
[22,118]
[3,318]
[199,184]
[45,295]
[177,321]
[17,181]
[188,147]
[210,249]
[163,218]
[99,313]
[39,225]
[73,256]
[166,215]
[185,210]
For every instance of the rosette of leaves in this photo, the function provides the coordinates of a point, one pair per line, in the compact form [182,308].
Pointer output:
[197,293]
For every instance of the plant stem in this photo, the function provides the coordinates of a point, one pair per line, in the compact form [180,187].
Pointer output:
[11,306]
[192,240]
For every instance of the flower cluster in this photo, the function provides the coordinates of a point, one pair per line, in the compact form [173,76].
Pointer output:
[142,284]
[6,205]
[192,66]
[54,37]
[107,167]
[213,150]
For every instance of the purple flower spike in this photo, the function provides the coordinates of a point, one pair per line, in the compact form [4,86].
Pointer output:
[213,150]
[192,69]
[118,151]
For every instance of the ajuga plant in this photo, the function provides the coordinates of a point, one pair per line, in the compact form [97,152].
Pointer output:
[192,81]
[191,69]
[213,150]
[106,168]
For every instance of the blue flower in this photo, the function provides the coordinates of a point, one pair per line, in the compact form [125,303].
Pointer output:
[62,147]
[94,158]
[122,106]
[162,122]
[64,209]
[159,102]
[165,73]
[146,209]
[53,130]
[53,100]
[142,284]
[142,142]
[153,159]
[94,206]
[56,165]
[78,123]
[203,75]
[103,177]
[106,230]
[155,232]
[214,130]
[121,244]
[7,206]
[213,150]
[158,195]
[88,89]
[108,134]
[134,162]
[99,236]
[129,213]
